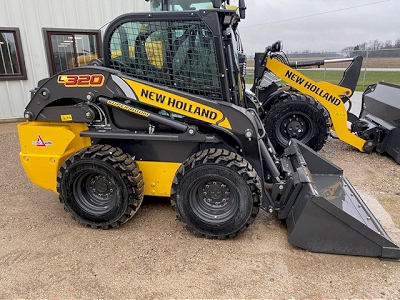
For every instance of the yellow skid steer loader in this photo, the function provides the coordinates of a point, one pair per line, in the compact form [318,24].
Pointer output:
[103,137]
[307,110]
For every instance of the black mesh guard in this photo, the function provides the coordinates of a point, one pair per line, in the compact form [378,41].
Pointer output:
[178,55]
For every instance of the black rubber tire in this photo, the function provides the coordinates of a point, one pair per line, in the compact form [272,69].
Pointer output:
[101,186]
[297,112]
[216,193]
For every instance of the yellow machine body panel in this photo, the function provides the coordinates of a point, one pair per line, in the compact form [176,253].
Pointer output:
[177,104]
[45,146]
[329,95]
[158,177]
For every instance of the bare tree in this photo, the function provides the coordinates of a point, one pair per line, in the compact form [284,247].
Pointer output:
[388,45]
[348,51]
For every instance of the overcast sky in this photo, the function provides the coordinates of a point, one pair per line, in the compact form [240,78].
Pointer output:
[318,25]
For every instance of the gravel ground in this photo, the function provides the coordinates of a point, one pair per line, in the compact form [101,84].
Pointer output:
[47,255]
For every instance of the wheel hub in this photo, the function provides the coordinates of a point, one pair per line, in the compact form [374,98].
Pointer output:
[96,194]
[216,193]
[100,186]
[294,126]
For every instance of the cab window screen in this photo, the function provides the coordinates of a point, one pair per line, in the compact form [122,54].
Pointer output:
[179,55]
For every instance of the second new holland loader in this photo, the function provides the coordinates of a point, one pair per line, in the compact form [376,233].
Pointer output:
[168,117]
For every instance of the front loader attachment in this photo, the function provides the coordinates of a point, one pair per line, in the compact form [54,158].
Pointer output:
[380,118]
[324,213]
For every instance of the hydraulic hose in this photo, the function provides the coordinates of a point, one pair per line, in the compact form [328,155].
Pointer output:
[269,162]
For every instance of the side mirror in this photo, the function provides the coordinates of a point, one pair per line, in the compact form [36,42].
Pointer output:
[242,9]
[277,46]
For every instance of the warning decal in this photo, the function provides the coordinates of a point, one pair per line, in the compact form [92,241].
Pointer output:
[40,143]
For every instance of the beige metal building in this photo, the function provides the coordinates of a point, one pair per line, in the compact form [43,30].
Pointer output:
[39,38]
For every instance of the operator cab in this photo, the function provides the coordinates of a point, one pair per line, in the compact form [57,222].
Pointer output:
[238,58]
[187,51]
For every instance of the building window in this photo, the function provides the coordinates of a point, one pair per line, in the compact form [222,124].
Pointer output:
[70,49]
[12,66]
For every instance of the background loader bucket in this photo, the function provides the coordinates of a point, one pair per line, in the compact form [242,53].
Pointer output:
[329,216]
[381,108]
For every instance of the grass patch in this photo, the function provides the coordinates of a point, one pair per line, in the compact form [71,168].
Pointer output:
[334,76]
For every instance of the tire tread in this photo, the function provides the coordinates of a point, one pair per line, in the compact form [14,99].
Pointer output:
[321,119]
[231,160]
[127,169]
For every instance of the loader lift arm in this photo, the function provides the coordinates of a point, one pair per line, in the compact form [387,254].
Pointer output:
[350,75]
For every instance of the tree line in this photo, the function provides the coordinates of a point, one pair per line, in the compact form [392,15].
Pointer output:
[375,48]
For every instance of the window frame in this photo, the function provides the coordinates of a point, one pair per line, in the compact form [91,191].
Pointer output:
[47,32]
[20,55]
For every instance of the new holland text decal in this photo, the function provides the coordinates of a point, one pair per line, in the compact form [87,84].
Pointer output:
[178,104]
[82,80]
[41,143]
[325,92]
[312,87]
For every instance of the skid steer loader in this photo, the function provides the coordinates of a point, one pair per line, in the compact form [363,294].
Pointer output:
[103,137]
[298,108]
[290,111]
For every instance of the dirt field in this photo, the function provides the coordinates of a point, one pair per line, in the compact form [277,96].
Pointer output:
[46,255]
